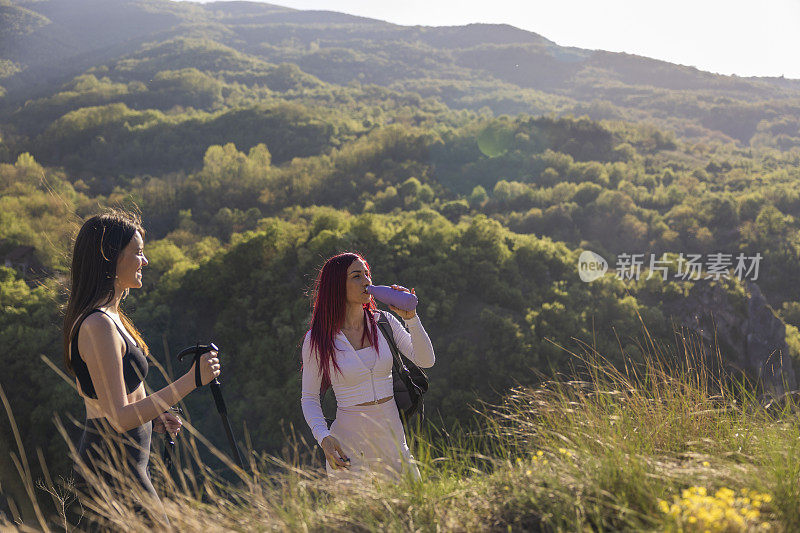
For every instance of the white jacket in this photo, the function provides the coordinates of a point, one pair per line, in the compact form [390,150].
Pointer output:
[355,383]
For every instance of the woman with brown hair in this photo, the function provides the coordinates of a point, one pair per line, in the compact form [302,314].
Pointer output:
[108,357]
[343,349]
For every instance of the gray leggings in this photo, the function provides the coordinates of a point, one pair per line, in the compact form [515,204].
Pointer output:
[128,452]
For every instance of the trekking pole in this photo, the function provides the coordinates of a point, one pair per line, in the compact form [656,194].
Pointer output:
[169,442]
[196,351]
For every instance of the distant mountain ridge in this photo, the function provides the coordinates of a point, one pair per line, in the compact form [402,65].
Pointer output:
[501,67]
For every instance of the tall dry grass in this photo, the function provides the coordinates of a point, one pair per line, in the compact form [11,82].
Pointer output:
[598,453]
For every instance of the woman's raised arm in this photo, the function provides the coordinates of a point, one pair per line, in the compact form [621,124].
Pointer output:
[414,343]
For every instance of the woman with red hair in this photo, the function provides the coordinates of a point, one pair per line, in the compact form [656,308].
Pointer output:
[344,349]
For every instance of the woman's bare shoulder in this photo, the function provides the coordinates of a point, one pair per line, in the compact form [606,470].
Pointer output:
[97,324]
[97,330]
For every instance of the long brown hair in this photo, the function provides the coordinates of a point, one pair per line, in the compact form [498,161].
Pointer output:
[94,266]
[329,302]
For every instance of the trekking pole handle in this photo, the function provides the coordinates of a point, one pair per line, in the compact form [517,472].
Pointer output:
[196,351]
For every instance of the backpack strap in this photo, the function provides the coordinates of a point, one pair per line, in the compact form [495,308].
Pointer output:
[399,368]
[386,329]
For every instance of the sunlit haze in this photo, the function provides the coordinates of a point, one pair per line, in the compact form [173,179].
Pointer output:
[739,37]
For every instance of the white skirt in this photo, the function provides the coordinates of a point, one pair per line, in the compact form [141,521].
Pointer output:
[372,437]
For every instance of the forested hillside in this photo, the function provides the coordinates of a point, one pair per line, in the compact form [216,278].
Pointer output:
[472,163]
[247,47]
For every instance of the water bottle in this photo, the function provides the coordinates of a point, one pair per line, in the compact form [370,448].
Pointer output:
[396,298]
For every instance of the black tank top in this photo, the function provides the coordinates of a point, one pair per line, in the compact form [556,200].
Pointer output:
[134,362]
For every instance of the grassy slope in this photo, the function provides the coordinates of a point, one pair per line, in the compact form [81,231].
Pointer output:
[661,447]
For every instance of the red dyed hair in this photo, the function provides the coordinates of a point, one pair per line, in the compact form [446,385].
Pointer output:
[329,302]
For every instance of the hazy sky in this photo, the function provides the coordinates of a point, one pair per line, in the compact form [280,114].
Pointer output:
[744,37]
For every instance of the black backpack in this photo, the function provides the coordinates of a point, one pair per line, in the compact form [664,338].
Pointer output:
[410,381]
